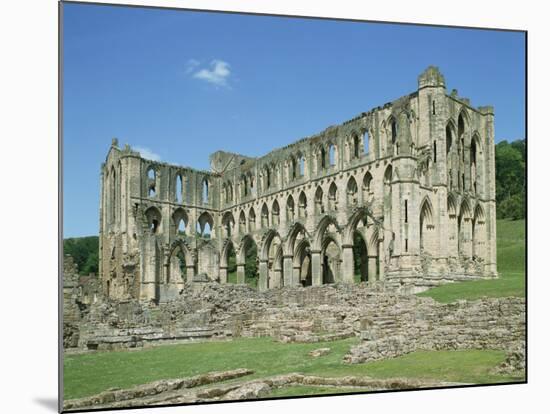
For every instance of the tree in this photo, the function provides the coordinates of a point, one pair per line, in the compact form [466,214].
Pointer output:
[85,252]
[510,180]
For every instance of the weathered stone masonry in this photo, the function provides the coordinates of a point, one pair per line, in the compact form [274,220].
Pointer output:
[414,178]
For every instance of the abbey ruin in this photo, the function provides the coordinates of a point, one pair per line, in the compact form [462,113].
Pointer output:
[412,180]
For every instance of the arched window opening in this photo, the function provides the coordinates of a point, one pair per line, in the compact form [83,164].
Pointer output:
[113,186]
[302,166]
[231,264]
[251,263]
[323,158]
[449,136]
[333,197]
[388,178]
[179,189]
[319,207]
[331,262]
[153,217]
[267,178]
[351,192]
[242,223]
[302,204]
[265,216]
[151,174]
[367,180]
[294,169]
[393,131]
[427,236]
[205,194]
[366,142]
[433,107]
[355,146]
[227,224]
[360,258]
[181,227]
[275,218]
[332,155]
[251,220]
[205,226]
[290,209]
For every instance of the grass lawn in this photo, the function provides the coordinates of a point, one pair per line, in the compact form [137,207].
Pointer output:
[88,374]
[510,265]
[301,390]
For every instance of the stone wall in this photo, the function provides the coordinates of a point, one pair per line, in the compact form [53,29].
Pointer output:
[389,324]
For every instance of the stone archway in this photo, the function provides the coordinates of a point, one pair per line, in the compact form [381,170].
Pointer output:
[331,261]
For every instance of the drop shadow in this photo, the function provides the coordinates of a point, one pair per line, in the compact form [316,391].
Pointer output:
[49,403]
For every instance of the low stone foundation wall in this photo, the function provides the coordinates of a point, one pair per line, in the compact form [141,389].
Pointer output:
[481,324]
[389,323]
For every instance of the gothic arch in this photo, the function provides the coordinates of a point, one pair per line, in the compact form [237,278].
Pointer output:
[228,224]
[153,219]
[290,209]
[319,205]
[226,248]
[251,219]
[204,220]
[361,213]
[180,262]
[352,192]
[302,205]
[275,213]
[427,233]
[264,216]
[333,197]
[178,216]
[323,225]
[289,241]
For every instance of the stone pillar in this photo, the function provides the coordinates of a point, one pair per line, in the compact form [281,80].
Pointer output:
[382,259]
[316,272]
[223,275]
[240,274]
[262,270]
[372,268]
[347,264]
[287,270]
[190,273]
[296,275]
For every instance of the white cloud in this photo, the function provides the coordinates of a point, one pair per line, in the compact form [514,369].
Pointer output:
[217,73]
[191,65]
[147,153]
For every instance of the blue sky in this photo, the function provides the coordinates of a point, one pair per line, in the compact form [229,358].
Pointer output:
[181,85]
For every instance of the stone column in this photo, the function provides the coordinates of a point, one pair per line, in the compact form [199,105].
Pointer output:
[382,259]
[316,274]
[347,264]
[240,274]
[296,274]
[262,270]
[223,275]
[287,270]
[372,268]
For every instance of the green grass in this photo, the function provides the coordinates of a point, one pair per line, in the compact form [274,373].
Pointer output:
[510,265]
[301,390]
[88,374]
[232,278]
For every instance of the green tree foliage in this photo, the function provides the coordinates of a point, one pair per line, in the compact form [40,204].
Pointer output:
[510,179]
[251,265]
[85,252]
